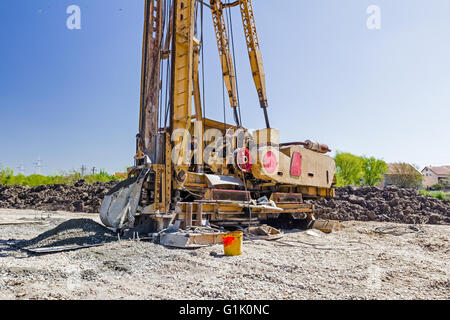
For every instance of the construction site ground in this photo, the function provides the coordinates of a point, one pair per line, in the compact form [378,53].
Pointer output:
[359,262]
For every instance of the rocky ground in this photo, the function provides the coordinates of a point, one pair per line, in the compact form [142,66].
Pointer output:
[366,260]
[385,205]
[362,204]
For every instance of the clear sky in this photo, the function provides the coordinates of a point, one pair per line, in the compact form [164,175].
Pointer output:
[71,97]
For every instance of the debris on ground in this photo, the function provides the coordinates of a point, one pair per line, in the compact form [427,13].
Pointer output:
[327,226]
[191,238]
[263,232]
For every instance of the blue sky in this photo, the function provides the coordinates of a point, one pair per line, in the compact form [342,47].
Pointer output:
[72,96]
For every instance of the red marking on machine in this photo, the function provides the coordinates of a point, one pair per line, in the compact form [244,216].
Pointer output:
[244,159]
[296,165]
[270,162]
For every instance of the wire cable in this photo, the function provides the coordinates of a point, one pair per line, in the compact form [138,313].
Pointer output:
[230,24]
[395,230]
[203,69]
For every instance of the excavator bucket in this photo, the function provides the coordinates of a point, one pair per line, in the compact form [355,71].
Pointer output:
[120,204]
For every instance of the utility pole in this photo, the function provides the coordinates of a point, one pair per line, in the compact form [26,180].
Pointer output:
[38,165]
[21,169]
[93,170]
[83,170]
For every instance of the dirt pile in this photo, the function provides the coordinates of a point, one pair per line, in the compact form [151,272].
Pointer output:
[363,204]
[73,232]
[390,204]
[80,197]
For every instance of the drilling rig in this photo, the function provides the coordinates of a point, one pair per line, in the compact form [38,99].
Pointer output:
[193,171]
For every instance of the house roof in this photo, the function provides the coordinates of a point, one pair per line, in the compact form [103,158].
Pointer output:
[440,171]
[393,168]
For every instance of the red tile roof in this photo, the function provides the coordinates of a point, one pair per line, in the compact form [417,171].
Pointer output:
[441,171]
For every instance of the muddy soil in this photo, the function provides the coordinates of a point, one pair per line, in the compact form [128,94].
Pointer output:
[80,197]
[385,205]
[366,260]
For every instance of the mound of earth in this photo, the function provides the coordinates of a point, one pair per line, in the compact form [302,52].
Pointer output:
[390,204]
[73,232]
[80,197]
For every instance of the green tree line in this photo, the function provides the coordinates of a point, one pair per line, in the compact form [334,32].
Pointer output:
[7,177]
[358,170]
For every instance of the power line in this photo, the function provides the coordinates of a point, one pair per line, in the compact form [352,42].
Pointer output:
[38,165]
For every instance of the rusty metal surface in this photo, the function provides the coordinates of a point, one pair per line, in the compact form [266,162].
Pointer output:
[310,145]
[119,205]
[150,78]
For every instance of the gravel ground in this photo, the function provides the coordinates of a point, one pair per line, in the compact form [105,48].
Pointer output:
[356,263]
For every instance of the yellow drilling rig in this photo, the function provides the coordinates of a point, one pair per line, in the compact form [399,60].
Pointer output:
[193,171]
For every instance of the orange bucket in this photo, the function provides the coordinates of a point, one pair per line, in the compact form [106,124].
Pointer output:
[232,243]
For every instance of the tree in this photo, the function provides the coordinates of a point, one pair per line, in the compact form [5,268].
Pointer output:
[348,169]
[6,175]
[404,175]
[373,170]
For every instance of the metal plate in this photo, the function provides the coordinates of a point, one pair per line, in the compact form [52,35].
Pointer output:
[215,180]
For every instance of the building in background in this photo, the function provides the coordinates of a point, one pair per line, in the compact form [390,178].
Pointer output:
[436,176]
[402,175]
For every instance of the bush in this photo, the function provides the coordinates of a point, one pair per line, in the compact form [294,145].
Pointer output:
[373,171]
[436,194]
[437,187]
[7,177]
[355,170]
[348,169]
